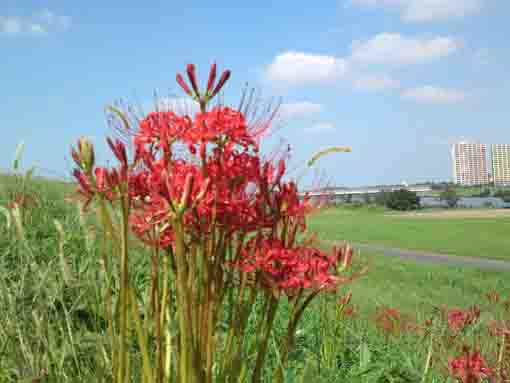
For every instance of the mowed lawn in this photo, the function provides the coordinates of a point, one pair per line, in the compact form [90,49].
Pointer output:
[486,237]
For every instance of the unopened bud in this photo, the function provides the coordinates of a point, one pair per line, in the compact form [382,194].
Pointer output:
[223,79]
[86,153]
[212,78]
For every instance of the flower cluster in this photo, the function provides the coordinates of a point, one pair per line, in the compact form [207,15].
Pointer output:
[470,367]
[459,319]
[220,181]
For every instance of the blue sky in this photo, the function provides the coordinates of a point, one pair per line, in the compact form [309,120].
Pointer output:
[397,80]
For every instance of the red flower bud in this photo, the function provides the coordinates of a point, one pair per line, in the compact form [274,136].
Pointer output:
[76,158]
[347,257]
[100,178]
[223,79]
[119,150]
[190,69]
[83,181]
[183,85]
[212,77]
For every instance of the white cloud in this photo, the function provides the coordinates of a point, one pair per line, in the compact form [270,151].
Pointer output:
[297,68]
[321,127]
[417,11]
[434,94]
[374,83]
[37,29]
[393,48]
[40,24]
[10,25]
[57,21]
[299,109]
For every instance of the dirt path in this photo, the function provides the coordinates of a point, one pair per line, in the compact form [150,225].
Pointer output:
[454,213]
[435,258]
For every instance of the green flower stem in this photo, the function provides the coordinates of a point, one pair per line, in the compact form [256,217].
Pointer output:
[142,340]
[266,333]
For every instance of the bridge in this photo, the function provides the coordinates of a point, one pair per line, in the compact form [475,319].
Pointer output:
[366,190]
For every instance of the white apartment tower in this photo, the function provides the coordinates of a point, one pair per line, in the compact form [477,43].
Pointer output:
[501,164]
[470,163]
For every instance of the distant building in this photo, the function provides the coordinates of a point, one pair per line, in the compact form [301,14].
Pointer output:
[470,163]
[501,164]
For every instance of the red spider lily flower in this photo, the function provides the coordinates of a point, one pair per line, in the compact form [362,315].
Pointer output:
[183,85]
[212,78]
[459,319]
[470,367]
[223,79]
[190,69]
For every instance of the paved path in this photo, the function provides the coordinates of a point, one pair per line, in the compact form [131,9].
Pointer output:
[438,259]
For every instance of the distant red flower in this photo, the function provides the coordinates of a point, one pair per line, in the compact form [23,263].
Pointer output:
[470,367]
[458,319]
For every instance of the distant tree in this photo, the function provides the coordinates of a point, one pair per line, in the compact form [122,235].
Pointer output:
[450,196]
[504,194]
[367,199]
[381,198]
[485,192]
[403,199]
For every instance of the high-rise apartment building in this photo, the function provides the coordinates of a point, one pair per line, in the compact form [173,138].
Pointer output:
[470,163]
[501,164]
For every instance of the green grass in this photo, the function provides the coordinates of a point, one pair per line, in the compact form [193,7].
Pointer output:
[476,237]
[52,323]
[417,288]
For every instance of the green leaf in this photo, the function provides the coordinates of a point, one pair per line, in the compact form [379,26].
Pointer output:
[17,157]
[310,371]
[7,215]
[332,149]
[117,112]
[364,356]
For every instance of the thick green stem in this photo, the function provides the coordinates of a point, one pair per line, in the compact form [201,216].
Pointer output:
[268,325]
[142,340]
[124,280]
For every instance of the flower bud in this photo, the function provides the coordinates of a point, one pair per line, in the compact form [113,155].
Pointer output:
[183,84]
[119,150]
[86,153]
[347,257]
[223,79]
[190,69]
[212,78]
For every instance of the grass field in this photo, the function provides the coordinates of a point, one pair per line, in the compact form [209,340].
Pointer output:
[52,323]
[486,237]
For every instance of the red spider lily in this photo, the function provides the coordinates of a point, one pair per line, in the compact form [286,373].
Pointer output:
[470,367]
[459,319]
[392,321]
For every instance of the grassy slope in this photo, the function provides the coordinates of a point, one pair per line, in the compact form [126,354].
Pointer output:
[417,287]
[412,287]
[469,237]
